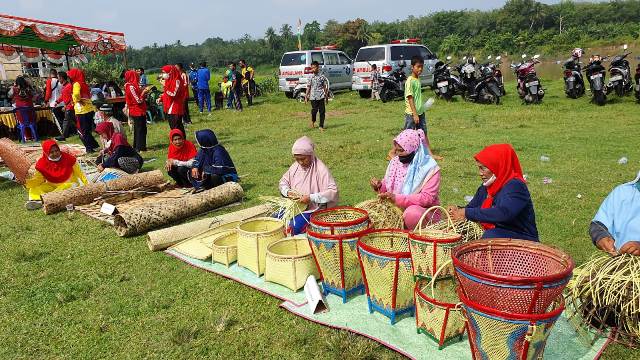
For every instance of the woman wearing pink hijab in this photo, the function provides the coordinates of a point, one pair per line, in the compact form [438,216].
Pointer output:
[310,181]
[412,180]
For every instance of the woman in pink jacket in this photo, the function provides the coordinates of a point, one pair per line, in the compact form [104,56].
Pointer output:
[412,180]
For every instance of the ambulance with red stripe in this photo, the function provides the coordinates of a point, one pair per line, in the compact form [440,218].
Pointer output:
[387,58]
[295,68]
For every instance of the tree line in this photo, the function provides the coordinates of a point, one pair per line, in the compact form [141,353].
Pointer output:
[519,26]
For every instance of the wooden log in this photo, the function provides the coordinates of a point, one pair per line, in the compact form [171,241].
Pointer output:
[15,159]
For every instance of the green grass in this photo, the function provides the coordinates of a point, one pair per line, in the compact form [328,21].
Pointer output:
[70,288]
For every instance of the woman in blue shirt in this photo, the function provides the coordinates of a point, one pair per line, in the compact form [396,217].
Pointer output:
[616,227]
[502,204]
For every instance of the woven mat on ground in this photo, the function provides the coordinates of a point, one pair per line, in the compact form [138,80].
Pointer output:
[125,202]
[402,337]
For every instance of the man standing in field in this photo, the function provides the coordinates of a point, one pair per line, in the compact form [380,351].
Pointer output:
[375,82]
[236,85]
[414,113]
[193,80]
[247,80]
[317,92]
[204,94]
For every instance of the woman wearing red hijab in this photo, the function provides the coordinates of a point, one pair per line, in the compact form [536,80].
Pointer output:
[173,96]
[83,108]
[117,152]
[503,203]
[55,170]
[180,158]
[137,105]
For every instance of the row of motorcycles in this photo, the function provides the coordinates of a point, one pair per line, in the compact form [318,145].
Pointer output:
[619,83]
[484,83]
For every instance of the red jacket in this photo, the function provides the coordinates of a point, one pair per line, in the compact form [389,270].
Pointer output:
[135,102]
[65,96]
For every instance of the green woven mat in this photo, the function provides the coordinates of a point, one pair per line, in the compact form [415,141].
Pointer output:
[401,337]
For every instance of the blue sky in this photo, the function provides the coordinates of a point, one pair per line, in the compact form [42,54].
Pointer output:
[162,21]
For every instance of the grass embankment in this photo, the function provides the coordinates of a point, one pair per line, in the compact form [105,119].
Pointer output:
[70,288]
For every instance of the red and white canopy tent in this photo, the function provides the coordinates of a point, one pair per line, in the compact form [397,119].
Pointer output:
[33,40]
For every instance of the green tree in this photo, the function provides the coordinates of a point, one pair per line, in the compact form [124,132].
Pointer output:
[311,34]
[452,45]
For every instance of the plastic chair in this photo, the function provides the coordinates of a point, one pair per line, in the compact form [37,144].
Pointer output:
[27,119]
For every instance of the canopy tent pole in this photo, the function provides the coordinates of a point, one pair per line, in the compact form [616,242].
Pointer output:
[66,58]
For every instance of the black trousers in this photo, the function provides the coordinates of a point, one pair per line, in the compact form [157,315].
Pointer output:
[237,94]
[69,124]
[86,127]
[139,133]
[175,122]
[186,118]
[58,113]
[317,106]
[248,92]
[180,174]
[210,181]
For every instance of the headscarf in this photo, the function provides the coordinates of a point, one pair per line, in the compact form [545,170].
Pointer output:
[174,75]
[620,213]
[213,158]
[503,162]
[77,76]
[184,153]
[55,171]
[117,139]
[410,178]
[171,86]
[133,78]
[316,179]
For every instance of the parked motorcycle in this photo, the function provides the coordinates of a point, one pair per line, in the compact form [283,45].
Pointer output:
[486,89]
[620,75]
[497,73]
[596,74]
[573,81]
[446,84]
[528,84]
[468,76]
[393,84]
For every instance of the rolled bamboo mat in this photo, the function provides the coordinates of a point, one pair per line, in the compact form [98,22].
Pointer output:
[15,159]
[140,219]
[57,201]
[161,239]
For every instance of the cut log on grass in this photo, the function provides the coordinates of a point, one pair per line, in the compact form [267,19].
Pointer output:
[57,201]
[161,239]
[15,159]
[140,219]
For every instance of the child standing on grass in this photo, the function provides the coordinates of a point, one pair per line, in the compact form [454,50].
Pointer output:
[317,92]
[414,113]
[225,88]
[375,82]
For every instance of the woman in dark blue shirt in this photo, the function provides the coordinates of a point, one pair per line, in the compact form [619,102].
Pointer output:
[502,204]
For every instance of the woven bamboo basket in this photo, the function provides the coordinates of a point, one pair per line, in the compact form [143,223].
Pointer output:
[224,248]
[438,314]
[430,247]
[383,214]
[498,334]
[15,159]
[254,236]
[289,263]
[387,273]
[333,235]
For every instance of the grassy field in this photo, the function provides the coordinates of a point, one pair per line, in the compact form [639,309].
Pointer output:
[70,288]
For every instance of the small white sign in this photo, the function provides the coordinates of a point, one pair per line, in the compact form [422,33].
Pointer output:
[315,300]
[108,209]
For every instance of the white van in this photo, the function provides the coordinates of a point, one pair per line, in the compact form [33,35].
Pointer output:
[295,68]
[387,58]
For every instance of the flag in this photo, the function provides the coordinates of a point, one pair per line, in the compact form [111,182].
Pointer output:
[299,34]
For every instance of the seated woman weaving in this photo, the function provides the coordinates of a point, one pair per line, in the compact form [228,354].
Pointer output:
[117,152]
[212,165]
[180,158]
[616,227]
[55,170]
[309,181]
[502,203]
[412,180]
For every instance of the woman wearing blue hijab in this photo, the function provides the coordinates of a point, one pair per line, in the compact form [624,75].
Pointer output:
[616,227]
[213,165]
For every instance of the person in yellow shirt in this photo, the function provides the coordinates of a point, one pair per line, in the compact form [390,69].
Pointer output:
[248,84]
[225,88]
[55,170]
[84,109]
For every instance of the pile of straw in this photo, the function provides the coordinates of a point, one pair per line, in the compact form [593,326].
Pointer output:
[284,208]
[605,291]
[383,214]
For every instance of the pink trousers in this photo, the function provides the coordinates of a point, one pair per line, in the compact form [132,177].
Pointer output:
[413,213]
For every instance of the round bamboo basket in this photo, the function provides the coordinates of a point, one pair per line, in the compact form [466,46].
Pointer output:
[224,248]
[289,262]
[254,236]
